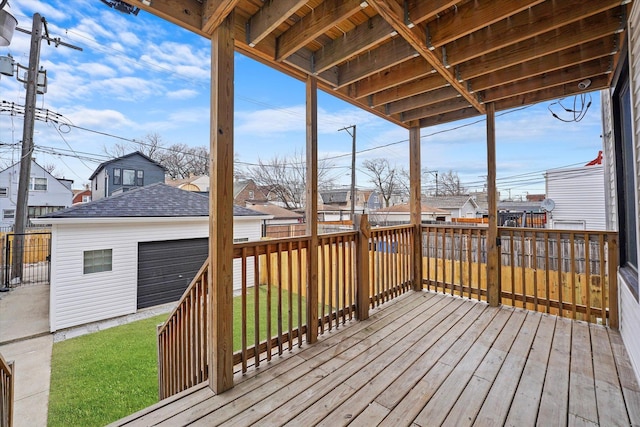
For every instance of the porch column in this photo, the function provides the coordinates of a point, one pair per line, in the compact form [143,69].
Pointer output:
[493,245]
[415,203]
[221,209]
[311,208]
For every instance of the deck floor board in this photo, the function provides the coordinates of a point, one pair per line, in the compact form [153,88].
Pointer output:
[429,359]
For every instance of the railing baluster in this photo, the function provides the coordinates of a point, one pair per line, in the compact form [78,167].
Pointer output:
[256,305]
[534,262]
[559,257]
[244,309]
[290,293]
[268,301]
[572,267]
[587,273]
[279,311]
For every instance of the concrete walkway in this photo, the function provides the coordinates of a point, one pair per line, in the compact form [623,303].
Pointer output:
[25,339]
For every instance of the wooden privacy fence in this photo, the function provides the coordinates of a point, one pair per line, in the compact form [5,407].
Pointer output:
[7,394]
[565,272]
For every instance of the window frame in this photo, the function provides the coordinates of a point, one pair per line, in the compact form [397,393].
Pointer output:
[5,211]
[139,180]
[625,180]
[117,176]
[33,185]
[4,192]
[128,177]
[101,261]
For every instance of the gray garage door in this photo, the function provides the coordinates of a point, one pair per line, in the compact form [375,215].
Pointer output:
[166,268]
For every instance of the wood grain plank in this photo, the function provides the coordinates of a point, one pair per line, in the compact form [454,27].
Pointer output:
[582,395]
[626,374]
[357,357]
[611,407]
[524,407]
[476,339]
[496,406]
[433,343]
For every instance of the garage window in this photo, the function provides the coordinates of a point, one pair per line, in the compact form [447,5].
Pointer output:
[97,261]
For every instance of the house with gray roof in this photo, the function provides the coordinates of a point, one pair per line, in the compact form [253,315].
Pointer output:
[133,250]
[464,206]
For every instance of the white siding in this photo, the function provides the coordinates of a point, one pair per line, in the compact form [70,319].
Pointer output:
[629,306]
[578,194]
[78,298]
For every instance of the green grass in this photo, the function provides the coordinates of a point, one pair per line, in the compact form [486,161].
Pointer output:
[102,377]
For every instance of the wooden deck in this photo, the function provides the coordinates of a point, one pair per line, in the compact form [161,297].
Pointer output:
[427,359]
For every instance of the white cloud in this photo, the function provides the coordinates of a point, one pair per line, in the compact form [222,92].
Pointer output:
[182,94]
[101,119]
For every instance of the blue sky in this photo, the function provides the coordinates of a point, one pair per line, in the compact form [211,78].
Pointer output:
[139,75]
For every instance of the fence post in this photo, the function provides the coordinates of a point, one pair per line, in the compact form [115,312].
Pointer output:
[362,266]
[612,273]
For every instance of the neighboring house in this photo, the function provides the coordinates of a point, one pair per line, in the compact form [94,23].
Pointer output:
[513,213]
[279,214]
[193,183]
[125,173]
[46,193]
[247,191]
[578,196]
[401,214]
[81,196]
[341,198]
[376,201]
[458,206]
[132,250]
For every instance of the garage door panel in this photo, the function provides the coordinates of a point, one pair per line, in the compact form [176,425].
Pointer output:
[166,268]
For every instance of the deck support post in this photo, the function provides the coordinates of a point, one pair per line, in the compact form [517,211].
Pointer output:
[493,242]
[221,209]
[311,209]
[362,266]
[415,203]
[612,276]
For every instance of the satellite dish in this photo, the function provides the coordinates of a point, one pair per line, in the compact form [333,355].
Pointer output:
[548,205]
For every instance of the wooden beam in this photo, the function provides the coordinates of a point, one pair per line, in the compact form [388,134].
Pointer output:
[493,247]
[430,82]
[415,203]
[389,54]
[473,16]
[452,116]
[269,17]
[311,208]
[214,12]
[364,36]
[221,209]
[422,100]
[404,72]
[584,31]
[328,14]
[597,82]
[435,109]
[363,281]
[540,19]
[570,74]
[186,14]
[612,273]
[599,48]
[301,59]
[420,10]
[393,13]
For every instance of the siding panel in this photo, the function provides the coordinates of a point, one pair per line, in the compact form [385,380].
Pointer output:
[78,298]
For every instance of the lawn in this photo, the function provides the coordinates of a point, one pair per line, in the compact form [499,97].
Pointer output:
[101,377]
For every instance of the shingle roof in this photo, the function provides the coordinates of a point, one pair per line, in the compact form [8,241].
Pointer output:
[405,208]
[276,211]
[103,164]
[156,200]
[447,202]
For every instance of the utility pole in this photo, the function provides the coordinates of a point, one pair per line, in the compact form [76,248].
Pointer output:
[31,84]
[27,146]
[353,169]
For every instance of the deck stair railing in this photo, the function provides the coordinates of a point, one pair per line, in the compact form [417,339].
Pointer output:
[7,394]
[270,307]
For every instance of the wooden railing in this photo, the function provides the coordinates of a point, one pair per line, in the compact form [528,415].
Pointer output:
[565,272]
[182,340]
[7,394]
[390,262]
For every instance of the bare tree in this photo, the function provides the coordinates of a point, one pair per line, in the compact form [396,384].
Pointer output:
[384,177]
[285,177]
[449,184]
[52,168]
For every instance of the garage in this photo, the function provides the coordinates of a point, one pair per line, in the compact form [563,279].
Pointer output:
[166,268]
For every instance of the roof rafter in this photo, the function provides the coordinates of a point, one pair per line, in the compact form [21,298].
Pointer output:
[393,76]
[214,12]
[268,18]
[392,12]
